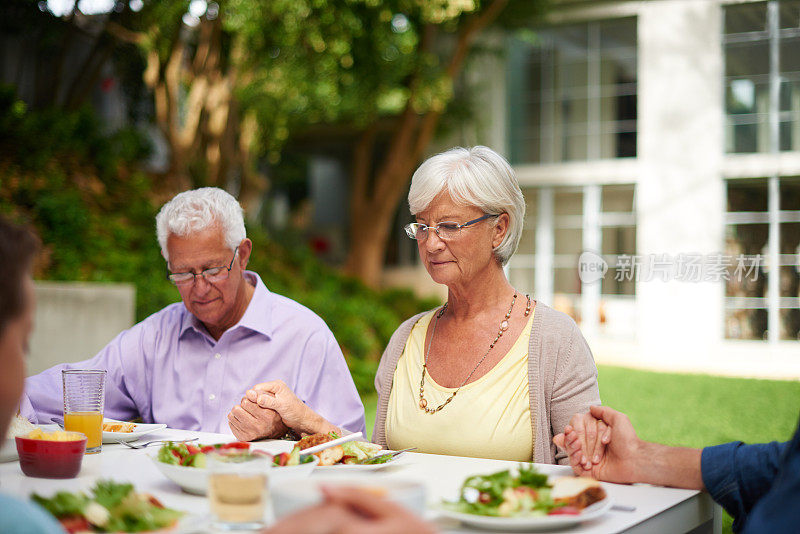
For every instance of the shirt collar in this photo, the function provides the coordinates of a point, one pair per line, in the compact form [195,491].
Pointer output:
[257,317]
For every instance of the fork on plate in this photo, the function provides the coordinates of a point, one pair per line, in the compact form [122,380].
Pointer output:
[144,445]
[381,458]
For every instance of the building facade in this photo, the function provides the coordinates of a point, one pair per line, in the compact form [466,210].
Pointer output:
[658,146]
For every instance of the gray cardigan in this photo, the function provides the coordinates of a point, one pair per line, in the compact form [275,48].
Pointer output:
[562,378]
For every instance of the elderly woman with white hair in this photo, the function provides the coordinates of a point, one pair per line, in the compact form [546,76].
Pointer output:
[491,373]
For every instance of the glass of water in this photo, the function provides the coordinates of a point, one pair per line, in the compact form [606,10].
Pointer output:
[238,490]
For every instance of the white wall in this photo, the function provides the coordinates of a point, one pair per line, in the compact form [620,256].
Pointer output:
[680,194]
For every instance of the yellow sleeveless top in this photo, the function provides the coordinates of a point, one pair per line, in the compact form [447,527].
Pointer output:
[489,418]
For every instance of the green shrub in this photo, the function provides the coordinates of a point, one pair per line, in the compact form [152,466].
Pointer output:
[96,214]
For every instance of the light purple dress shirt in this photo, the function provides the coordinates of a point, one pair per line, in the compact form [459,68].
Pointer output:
[168,369]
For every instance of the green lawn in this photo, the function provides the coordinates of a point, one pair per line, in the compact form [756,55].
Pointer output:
[693,410]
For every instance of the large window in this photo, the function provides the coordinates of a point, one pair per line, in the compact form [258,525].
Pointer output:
[563,222]
[572,92]
[762,76]
[763,297]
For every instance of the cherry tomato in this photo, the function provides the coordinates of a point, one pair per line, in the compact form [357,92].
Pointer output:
[75,523]
[236,445]
[155,502]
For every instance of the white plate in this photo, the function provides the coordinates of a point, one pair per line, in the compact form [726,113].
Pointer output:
[521,524]
[195,479]
[278,446]
[8,451]
[358,467]
[140,430]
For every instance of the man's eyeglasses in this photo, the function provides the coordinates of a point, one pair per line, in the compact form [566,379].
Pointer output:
[214,274]
[445,230]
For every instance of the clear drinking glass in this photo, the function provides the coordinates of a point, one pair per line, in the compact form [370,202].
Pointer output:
[84,396]
[238,490]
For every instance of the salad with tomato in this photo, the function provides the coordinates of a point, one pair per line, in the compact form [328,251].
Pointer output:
[502,494]
[190,455]
[109,507]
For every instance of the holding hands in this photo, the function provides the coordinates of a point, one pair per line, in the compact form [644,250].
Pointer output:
[608,448]
[602,444]
[270,409]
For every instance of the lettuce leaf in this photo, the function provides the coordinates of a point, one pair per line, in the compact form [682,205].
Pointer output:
[63,503]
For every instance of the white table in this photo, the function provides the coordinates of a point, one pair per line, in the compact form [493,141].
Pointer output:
[657,509]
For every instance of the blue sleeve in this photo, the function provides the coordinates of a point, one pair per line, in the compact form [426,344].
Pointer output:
[779,510]
[738,475]
[22,517]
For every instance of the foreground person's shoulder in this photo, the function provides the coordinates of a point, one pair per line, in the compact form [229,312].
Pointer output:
[22,517]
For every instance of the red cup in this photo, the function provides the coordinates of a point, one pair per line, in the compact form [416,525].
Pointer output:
[51,459]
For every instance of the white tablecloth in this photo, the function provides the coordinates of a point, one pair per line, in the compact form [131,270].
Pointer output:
[657,509]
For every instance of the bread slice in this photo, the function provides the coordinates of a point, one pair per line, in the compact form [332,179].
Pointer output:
[330,456]
[579,492]
[109,426]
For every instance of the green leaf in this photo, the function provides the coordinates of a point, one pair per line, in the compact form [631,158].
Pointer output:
[109,493]
[529,476]
[63,503]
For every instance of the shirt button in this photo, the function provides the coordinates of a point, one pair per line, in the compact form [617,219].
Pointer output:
[212,397]
[217,356]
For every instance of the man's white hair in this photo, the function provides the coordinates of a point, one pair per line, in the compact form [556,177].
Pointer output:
[194,211]
[476,176]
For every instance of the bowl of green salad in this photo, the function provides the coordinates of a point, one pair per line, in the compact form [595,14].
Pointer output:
[185,463]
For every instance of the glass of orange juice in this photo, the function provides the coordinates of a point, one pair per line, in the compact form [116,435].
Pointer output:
[84,396]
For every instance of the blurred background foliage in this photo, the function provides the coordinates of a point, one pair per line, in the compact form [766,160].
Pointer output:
[79,187]
[216,91]
[228,84]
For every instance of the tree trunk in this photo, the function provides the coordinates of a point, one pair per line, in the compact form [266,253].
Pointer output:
[372,208]
[252,183]
[370,225]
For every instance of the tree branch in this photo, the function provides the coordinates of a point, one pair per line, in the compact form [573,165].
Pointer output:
[431,119]
[66,45]
[362,162]
[172,79]
[101,50]
[401,140]
[472,28]
[204,40]
[123,34]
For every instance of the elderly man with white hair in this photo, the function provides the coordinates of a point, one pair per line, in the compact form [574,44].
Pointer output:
[491,373]
[191,364]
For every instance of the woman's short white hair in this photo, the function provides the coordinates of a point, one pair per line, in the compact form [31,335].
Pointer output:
[476,176]
[194,211]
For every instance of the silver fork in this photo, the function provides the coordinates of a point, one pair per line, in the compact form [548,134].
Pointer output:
[143,445]
[378,458]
